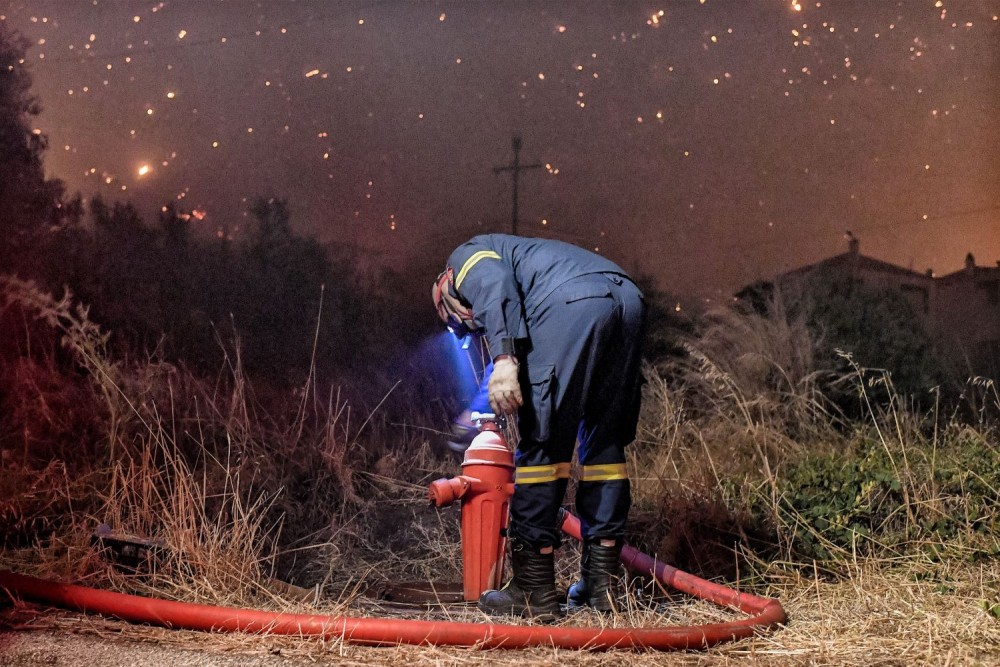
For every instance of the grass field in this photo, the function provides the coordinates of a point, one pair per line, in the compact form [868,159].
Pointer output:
[880,533]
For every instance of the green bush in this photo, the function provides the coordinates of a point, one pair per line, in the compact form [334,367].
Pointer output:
[867,500]
[877,327]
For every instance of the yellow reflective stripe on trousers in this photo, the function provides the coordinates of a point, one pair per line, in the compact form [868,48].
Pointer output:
[539,474]
[606,472]
[471,262]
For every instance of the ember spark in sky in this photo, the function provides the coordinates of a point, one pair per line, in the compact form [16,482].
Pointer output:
[707,143]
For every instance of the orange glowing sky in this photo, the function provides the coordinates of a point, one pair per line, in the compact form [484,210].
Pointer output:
[705,142]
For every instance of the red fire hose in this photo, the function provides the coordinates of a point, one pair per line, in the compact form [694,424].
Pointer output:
[766,613]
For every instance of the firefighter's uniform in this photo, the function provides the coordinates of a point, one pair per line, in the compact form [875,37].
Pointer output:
[576,323]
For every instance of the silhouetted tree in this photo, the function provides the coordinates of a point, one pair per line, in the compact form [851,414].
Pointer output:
[273,221]
[176,229]
[126,273]
[281,296]
[29,204]
[176,285]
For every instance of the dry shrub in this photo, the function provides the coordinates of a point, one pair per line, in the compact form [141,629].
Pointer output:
[238,485]
[48,414]
[32,501]
[904,481]
[79,335]
[705,535]
[756,370]
[737,443]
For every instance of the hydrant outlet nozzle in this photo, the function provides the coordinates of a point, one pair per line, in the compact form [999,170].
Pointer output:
[445,491]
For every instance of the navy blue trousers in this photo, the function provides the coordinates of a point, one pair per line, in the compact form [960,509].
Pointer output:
[582,380]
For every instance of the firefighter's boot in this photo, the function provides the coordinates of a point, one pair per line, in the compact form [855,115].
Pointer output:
[532,589]
[599,583]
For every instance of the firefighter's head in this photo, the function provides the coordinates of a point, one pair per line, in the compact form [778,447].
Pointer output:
[451,308]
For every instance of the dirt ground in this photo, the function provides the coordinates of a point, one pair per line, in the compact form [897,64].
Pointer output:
[113,647]
[30,637]
[47,647]
[877,615]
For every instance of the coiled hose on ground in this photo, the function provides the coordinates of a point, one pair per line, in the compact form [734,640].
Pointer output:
[764,614]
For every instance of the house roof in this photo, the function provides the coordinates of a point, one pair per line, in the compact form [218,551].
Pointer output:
[858,261]
[976,272]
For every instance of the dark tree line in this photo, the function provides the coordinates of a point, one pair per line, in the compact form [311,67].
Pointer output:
[163,290]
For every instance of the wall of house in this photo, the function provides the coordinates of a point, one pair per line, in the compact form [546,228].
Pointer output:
[961,311]
[918,289]
[967,312]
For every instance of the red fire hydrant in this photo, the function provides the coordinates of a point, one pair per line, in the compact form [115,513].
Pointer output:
[484,487]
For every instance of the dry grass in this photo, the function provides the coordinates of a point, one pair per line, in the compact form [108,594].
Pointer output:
[879,614]
[241,488]
[756,371]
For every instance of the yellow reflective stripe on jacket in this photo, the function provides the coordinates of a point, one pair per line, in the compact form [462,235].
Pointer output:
[471,262]
[539,474]
[603,473]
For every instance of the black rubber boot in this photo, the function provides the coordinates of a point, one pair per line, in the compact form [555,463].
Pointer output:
[599,577]
[532,589]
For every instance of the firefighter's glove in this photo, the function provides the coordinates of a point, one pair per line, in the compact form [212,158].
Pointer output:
[504,389]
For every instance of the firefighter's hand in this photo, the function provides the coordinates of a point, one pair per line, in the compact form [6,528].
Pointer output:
[504,389]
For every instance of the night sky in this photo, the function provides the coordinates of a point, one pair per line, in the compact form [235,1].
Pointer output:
[707,143]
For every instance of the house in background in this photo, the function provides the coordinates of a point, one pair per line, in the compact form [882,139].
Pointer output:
[960,311]
[966,311]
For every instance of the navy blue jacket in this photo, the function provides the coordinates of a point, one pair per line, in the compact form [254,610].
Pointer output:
[505,278]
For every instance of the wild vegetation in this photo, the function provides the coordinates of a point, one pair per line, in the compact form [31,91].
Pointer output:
[216,399]
[742,471]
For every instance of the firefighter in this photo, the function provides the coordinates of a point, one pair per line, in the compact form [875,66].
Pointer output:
[564,327]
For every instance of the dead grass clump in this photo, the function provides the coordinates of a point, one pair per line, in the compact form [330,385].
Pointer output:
[218,542]
[49,415]
[756,370]
[737,465]
[33,502]
[237,486]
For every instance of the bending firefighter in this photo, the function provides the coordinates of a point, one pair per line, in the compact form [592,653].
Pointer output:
[565,329]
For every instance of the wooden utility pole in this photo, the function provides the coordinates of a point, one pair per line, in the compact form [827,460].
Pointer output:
[515,168]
